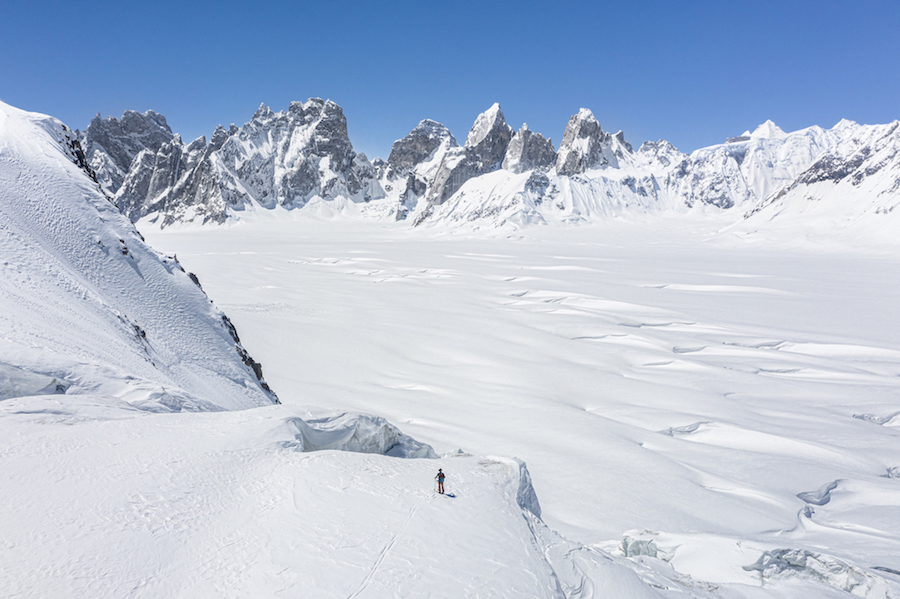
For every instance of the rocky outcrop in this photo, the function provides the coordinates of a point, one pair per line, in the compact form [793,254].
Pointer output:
[276,159]
[528,151]
[586,146]
[484,151]
[418,146]
[159,181]
[111,144]
[488,139]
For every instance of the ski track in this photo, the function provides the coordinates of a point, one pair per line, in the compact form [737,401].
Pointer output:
[387,549]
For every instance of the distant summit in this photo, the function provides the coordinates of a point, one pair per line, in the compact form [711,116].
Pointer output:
[302,158]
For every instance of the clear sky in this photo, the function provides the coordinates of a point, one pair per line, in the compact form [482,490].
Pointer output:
[692,72]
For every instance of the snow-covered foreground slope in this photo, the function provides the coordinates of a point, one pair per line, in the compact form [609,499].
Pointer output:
[102,500]
[85,305]
[732,409]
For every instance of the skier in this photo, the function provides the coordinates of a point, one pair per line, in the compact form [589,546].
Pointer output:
[440,479]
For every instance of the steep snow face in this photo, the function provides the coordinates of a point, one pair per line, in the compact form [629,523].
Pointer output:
[111,144]
[277,159]
[87,303]
[746,171]
[856,183]
[768,130]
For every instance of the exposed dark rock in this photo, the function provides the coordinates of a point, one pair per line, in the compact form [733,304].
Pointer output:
[282,158]
[583,145]
[111,144]
[529,151]
[418,146]
[485,148]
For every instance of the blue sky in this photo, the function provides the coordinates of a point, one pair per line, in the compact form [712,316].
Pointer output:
[688,71]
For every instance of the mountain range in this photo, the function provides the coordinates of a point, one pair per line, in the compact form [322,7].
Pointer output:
[303,158]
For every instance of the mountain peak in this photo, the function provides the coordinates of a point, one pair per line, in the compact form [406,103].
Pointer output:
[768,130]
[262,112]
[484,124]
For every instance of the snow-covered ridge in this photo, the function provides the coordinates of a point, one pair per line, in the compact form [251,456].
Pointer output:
[87,304]
[303,158]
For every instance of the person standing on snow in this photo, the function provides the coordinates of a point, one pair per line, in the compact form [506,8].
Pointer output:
[440,479]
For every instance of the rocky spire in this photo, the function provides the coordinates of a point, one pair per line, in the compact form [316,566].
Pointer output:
[529,151]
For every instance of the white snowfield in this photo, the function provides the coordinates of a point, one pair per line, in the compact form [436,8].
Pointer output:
[727,410]
[702,412]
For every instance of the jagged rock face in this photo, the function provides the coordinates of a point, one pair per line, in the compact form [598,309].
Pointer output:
[483,153]
[418,146]
[457,167]
[287,158]
[529,151]
[415,188]
[282,158]
[158,179]
[111,144]
[584,146]
[488,139]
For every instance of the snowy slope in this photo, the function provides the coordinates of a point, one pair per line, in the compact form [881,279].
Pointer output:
[86,302]
[722,409]
[854,187]
[231,505]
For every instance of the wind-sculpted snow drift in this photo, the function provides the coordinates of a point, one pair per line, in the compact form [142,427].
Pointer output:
[303,157]
[356,432]
[87,306]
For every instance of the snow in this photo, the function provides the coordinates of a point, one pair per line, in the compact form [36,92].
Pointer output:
[658,404]
[652,377]
[768,130]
